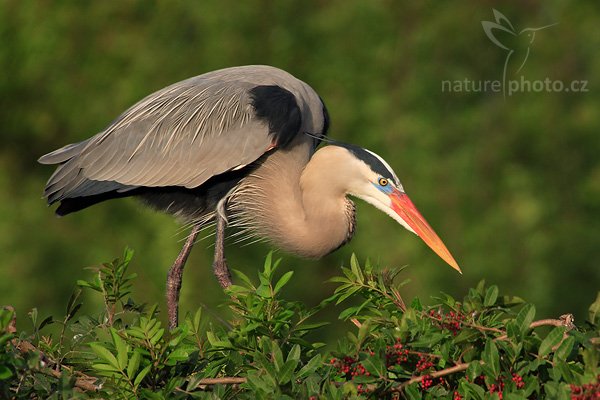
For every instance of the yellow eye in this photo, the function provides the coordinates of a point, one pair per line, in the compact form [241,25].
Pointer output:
[383,182]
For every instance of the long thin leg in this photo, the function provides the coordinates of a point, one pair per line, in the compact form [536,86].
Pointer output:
[220,265]
[175,276]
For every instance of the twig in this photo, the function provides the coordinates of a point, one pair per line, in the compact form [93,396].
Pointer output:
[566,321]
[227,380]
[469,324]
[84,383]
[435,374]
[398,299]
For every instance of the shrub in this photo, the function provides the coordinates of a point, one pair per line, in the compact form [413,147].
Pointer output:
[483,346]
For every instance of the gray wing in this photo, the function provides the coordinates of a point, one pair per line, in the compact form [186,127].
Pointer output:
[179,136]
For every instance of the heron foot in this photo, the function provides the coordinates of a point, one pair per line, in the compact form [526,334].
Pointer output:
[221,271]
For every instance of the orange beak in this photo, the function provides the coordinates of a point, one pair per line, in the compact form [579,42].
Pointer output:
[405,208]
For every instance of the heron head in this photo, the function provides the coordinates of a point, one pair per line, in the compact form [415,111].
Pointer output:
[374,181]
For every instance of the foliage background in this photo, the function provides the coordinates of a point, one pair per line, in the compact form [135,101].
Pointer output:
[512,186]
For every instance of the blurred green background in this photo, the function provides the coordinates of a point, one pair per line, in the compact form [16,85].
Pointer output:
[511,185]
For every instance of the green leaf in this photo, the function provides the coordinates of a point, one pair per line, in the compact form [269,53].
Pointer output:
[90,285]
[310,327]
[466,335]
[157,336]
[71,303]
[429,340]
[474,370]
[491,357]
[5,338]
[471,390]
[134,364]
[215,342]
[197,318]
[310,367]
[480,286]
[550,341]
[264,291]
[33,314]
[364,331]
[294,354]
[565,371]
[277,356]
[268,263]
[348,293]
[356,271]
[105,368]
[491,295]
[266,364]
[244,278]
[47,321]
[127,256]
[121,347]
[282,281]
[413,392]
[5,372]
[105,354]
[590,360]
[179,354]
[525,317]
[532,384]
[142,375]
[564,350]
[287,371]
[416,304]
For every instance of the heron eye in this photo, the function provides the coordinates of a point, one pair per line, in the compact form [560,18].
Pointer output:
[383,182]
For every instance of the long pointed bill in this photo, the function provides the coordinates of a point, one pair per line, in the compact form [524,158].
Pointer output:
[405,208]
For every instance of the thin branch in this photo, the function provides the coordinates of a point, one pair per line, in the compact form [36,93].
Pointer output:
[227,380]
[435,374]
[84,383]
[566,321]
[469,324]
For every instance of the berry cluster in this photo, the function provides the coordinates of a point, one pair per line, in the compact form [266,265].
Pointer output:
[518,380]
[497,388]
[451,320]
[396,354]
[587,391]
[426,382]
[349,367]
[424,363]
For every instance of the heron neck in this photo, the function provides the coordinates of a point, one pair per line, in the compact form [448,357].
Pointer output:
[297,203]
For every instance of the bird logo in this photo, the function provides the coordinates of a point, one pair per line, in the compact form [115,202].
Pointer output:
[517,44]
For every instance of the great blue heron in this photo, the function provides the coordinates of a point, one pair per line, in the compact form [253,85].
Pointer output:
[236,146]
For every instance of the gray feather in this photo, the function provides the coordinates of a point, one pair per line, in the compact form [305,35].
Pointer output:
[181,135]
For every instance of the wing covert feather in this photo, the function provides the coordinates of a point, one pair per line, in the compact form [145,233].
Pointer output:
[180,136]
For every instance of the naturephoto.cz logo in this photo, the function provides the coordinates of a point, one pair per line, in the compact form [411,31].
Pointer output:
[517,45]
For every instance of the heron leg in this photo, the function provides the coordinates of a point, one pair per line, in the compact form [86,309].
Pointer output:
[175,276]
[220,265]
